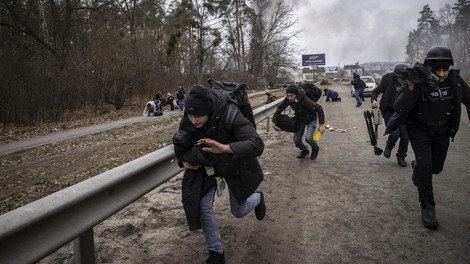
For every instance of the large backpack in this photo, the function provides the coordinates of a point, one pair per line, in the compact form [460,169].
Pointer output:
[312,91]
[236,92]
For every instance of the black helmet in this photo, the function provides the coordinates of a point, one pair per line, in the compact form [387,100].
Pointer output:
[439,54]
[399,69]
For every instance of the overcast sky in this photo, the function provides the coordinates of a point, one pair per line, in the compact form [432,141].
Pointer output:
[359,31]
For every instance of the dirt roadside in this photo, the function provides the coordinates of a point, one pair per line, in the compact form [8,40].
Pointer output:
[348,206]
[35,172]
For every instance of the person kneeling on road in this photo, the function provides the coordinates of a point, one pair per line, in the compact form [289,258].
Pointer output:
[215,142]
[306,112]
[331,95]
[150,109]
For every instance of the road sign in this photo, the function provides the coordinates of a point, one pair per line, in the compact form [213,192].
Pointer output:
[313,59]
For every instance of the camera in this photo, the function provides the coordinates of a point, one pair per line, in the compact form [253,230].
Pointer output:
[414,75]
[420,74]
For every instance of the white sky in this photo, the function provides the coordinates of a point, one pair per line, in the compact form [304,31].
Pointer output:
[359,31]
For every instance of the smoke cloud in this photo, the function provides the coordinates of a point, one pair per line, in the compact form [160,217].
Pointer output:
[359,31]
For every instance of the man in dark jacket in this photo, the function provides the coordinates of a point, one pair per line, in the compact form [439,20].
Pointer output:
[389,87]
[359,86]
[180,94]
[306,112]
[431,110]
[215,142]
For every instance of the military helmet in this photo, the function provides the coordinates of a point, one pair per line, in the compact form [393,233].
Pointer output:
[439,54]
[399,69]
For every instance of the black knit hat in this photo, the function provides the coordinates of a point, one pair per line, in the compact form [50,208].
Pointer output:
[198,102]
[292,89]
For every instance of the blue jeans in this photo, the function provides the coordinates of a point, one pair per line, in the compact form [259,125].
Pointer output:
[209,223]
[358,93]
[399,133]
[181,104]
[311,127]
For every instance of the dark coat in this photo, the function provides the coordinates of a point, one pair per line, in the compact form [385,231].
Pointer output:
[388,89]
[195,184]
[331,94]
[241,170]
[358,83]
[406,101]
[305,109]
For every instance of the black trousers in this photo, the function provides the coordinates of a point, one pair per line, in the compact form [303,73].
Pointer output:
[430,154]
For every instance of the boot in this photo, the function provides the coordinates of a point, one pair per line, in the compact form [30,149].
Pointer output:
[303,154]
[215,258]
[314,153]
[428,215]
[260,209]
[402,162]
[387,152]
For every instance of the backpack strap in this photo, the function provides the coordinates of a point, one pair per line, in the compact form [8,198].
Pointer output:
[231,114]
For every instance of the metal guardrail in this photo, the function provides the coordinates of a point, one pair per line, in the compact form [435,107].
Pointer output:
[34,231]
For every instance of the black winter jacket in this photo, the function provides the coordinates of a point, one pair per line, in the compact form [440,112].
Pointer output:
[407,100]
[358,84]
[241,170]
[388,89]
[305,109]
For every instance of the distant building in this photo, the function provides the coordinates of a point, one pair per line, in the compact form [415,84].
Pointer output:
[313,74]
[332,72]
[349,70]
[379,67]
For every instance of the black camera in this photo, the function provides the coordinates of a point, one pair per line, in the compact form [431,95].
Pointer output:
[420,74]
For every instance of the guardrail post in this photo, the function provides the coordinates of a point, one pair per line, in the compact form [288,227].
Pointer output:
[84,248]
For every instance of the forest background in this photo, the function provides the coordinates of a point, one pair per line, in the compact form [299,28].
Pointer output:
[59,57]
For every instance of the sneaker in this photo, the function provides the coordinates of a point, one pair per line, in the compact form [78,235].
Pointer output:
[215,258]
[413,176]
[260,209]
[303,154]
[314,153]
[402,162]
[358,105]
[339,99]
[428,215]
[387,152]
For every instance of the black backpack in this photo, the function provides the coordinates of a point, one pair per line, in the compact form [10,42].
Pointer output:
[236,92]
[312,91]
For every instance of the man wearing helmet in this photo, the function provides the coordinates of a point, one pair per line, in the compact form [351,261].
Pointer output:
[389,87]
[431,111]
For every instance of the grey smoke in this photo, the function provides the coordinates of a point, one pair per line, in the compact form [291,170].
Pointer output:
[359,31]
